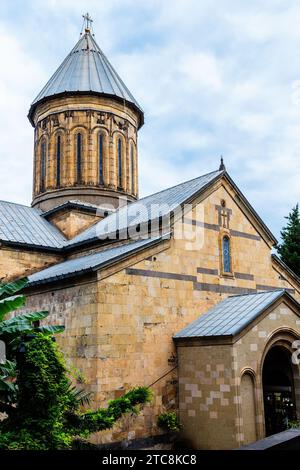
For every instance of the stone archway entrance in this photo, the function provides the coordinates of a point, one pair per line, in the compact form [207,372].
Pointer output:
[278,390]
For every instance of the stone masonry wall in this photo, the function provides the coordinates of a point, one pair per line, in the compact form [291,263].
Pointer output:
[71,223]
[207,394]
[213,410]
[125,321]
[17,263]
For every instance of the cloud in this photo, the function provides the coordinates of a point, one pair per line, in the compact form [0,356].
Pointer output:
[213,78]
[201,70]
[17,80]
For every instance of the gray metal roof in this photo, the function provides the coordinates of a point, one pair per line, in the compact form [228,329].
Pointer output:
[27,225]
[76,204]
[231,316]
[143,210]
[86,69]
[22,224]
[90,262]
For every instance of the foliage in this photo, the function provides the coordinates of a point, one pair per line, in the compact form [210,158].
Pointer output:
[47,413]
[169,421]
[8,389]
[14,331]
[293,424]
[11,288]
[80,396]
[289,249]
[43,407]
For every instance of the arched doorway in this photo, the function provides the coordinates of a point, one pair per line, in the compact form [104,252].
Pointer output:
[278,389]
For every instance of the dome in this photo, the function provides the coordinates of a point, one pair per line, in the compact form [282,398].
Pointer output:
[86,70]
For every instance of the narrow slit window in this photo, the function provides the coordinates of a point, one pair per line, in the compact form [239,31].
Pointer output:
[79,157]
[226,255]
[43,165]
[58,160]
[101,177]
[132,169]
[120,175]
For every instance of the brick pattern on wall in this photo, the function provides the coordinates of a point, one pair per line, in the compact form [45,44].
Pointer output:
[119,329]
[210,382]
[16,263]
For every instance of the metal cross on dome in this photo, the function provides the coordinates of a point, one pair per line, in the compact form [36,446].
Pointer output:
[88,21]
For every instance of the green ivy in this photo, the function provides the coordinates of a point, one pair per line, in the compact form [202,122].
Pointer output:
[293,424]
[43,408]
[47,413]
[169,421]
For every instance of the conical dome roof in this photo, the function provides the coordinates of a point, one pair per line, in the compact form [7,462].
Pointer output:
[86,70]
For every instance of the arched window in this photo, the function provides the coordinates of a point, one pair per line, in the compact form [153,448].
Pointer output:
[43,165]
[101,177]
[226,255]
[58,160]
[78,156]
[132,169]
[120,163]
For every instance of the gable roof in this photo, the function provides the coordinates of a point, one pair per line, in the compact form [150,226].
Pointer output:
[86,70]
[76,204]
[89,263]
[143,210]
[286,268]
[240,196]
[24,225]
[232,315]
[161,204]
[27,225]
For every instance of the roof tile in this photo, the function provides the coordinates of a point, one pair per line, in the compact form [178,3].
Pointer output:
[90,262]
[230,316]
[143,210]
[22,224]
[86,69]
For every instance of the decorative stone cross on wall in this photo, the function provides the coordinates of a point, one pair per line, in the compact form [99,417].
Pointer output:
[223,215]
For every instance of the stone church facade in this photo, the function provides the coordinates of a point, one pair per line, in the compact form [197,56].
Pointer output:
[178,291]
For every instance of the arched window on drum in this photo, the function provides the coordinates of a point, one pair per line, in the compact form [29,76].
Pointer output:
[79,157]
[58,160]
[132,169]
[101,157]
[43,166]
[120,163]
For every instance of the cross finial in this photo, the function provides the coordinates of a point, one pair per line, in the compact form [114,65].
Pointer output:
[222,165]
[87,22]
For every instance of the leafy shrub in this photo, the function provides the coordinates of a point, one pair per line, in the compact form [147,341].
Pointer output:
[36,394]
[47,415]
[293,424]
[169,421]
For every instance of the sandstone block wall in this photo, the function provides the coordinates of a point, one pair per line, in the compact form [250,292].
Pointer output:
[119,327]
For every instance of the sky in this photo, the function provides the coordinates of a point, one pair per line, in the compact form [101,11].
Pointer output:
[214,77]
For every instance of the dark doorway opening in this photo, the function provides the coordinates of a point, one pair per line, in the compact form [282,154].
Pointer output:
[278,389]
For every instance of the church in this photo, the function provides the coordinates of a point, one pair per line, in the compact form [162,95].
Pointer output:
[179,291]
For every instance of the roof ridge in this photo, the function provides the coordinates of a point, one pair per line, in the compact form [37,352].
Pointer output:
[120,214]
[92,261]
[277,289]
[285,266]
[179,184]
[230,317]
[17,204]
